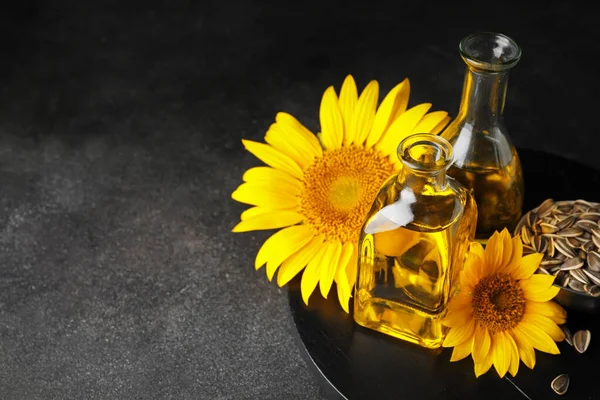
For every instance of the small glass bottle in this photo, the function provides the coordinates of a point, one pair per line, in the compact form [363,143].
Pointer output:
[485,160]
[413,244]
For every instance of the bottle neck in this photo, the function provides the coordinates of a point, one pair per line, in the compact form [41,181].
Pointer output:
[483,96]
[422,182]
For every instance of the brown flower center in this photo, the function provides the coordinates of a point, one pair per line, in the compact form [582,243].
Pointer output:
[340,188]
[498,302]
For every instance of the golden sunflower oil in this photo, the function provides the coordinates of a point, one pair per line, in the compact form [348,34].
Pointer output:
[413,244]
[485,160]
[498,193]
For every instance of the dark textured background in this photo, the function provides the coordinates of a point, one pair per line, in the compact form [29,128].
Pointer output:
[120,128]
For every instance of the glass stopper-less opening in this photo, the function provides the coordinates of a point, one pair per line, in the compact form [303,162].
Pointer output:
[490,51]
[425,152]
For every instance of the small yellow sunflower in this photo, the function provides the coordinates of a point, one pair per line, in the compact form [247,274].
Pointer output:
[503,310]
[319,188]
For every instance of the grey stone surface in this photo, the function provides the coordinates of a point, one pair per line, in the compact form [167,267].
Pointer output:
[120,128]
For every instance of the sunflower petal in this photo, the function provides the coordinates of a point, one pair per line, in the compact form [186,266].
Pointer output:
[537,283]
[515,257]
[429,122]
[293,146]
[461,351]
[493,253]
[548,309]
[352,268]
[539,296]
[328,271]
[332,123]
[440,126]
[273,157]
[526,351]
[294,243]
[484,367]
[253,212]
[297,261]
[458,318]
[536,337]
[546,325]
[459,303]
[348,99]
[513,368]
[401,102]
[281,242]
[364,114]
[475,261]
[506,248]
[386,112]
[459,334]
[477,248]
[267,196]
[312,272]
[292,126]
[269,220]
[528,265]
[501,353]
[481,344]
[341,279]
[472,272]
[401,128]
[271,175]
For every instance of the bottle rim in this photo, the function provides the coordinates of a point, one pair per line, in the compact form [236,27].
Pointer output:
[490,51]
[425,152]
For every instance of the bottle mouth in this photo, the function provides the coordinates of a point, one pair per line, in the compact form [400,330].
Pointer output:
[425,152]
[490,51]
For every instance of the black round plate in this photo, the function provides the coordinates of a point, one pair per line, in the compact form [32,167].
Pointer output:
[357,363]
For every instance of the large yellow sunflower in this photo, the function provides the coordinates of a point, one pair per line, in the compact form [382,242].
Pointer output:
[319,188]
[503,310]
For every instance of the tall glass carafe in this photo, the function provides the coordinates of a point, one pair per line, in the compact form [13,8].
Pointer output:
[485,159]
[413,244]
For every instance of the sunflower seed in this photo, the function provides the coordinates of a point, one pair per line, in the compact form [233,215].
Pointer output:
[536,242]
[560,384]
[596,241]
[592,290]
[584,237]
[563,279]
[575,284]
[564,248]
[591,216]
[581,202]
[573,242]
[566,222]
[579,275]
[572,263]
[593,261]
[567,233]
[550,250]
[545,208]
[571,232]
[543,270]
[568,334]
[593,276]
[588,246]
[522,222]
[548,228]
[550,262]
[527,250]
[525,235]
[532,219]
[581,340]
[586,224]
